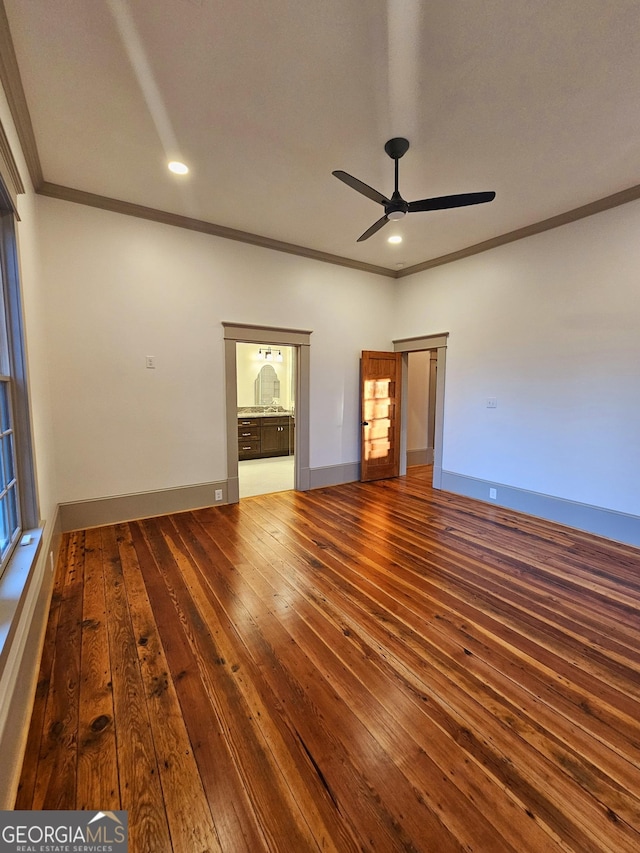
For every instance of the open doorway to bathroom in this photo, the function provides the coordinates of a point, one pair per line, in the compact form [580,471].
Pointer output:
[300,342]
[266,405]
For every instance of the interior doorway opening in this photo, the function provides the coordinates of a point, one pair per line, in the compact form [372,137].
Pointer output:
[266,408]
[421,407]
[300,341]
[434,419]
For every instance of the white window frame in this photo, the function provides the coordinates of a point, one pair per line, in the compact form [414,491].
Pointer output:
[13,373]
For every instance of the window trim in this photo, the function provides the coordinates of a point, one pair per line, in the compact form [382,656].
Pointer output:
[10,292]
[18,368]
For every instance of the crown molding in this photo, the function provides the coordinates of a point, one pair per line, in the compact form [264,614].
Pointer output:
[593,207]
[12,84]
[167,218]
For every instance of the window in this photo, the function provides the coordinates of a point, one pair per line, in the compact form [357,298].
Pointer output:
[18,497]
[9,504]
[18,505]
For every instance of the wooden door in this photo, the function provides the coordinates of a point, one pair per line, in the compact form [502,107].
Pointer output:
[380,385]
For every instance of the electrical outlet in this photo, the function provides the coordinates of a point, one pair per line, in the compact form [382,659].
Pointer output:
[492,402]
[151,362]
[218,494]
[493,494]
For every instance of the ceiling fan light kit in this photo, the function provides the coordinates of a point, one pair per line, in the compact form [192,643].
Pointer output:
[396,207]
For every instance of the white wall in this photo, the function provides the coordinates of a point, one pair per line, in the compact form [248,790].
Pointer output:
[38,356]
[550,326]
[120,288]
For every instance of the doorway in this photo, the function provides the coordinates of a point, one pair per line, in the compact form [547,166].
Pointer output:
[298,341]
[266,406]
[436,344]
[421,406]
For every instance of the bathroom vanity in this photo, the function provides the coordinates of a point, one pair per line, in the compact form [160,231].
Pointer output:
[261,435]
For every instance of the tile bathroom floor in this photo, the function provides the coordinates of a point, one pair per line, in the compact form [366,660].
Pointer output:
[262,476]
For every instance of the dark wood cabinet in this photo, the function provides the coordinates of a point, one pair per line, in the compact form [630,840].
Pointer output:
[263,437]
[274,436]
[248,438]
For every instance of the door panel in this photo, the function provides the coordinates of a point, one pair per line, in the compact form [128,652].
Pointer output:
[380,414]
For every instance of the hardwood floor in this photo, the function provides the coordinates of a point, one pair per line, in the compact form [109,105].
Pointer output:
[365,667]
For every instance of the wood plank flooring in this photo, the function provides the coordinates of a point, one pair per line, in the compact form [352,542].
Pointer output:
[377,667]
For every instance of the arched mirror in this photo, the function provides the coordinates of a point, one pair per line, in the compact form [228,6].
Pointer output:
[267,386]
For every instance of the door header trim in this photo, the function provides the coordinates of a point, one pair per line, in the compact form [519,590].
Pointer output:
[265,334]
[421,343]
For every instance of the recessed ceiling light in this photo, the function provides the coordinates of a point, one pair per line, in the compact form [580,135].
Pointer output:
[395,238]
[178,168]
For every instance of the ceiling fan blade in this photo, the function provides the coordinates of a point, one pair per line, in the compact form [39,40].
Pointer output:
[371,231]
[357,185]
[445,202]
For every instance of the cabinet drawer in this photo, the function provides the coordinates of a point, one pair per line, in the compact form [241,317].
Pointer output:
[248,422]
[248,448]
[248,432]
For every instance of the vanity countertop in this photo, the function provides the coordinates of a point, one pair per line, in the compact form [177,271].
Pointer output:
[245,415]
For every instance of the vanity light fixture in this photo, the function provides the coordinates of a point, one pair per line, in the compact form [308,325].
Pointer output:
[269,355]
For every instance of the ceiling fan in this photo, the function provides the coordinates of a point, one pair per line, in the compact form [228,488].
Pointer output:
[396,207]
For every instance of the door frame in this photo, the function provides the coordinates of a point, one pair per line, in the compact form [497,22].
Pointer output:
[300,340]
[405,346]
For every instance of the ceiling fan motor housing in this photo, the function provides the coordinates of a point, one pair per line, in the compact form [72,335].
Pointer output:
[397,207]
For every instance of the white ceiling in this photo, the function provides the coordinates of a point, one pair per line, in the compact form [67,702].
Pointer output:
[535,99]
